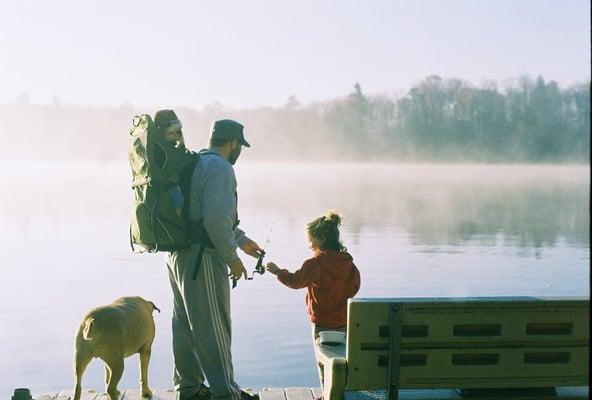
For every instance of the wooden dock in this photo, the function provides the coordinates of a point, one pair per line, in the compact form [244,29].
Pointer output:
[303,393]
[299,393]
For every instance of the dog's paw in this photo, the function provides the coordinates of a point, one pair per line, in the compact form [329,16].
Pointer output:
[147,394]
[114,396]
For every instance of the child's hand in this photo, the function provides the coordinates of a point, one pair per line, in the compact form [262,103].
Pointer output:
[271,267]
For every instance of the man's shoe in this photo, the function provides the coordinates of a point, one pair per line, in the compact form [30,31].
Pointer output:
[248,396]
[203,394]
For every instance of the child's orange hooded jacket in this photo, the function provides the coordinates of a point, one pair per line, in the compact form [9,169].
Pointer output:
[331,278]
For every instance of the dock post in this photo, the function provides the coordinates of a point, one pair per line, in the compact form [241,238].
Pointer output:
[22,394]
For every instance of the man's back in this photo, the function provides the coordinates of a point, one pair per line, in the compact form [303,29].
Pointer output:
[213,201]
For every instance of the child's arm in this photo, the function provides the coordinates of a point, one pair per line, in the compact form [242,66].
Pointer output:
[297,280]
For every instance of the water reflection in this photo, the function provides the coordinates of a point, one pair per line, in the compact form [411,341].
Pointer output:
[436,205]
[523,206]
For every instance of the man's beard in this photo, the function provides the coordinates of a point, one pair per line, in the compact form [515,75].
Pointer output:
[233,156]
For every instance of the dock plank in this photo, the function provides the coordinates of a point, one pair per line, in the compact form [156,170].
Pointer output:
[64,395]
[105,396]
[47,397]
[86,394]
[451,394]
[317,392]
[439,394]
[293,393]
[157,394]
[165,394]
[429,394]
[133,394]
[272,394]
[573,392]
[298,393]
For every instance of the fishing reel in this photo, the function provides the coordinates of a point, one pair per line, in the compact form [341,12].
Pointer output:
[259,269]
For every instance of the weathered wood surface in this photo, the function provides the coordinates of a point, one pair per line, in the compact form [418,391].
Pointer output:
[130,394]
[171,394]
[317,392]
[272,394]
[563,393]
[293,393]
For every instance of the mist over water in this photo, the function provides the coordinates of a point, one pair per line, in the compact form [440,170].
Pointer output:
[413,230]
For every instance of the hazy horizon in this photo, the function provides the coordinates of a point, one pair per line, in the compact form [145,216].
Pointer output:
[438,120]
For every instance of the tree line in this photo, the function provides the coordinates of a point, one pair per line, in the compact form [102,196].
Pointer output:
[532,121]
[442,120]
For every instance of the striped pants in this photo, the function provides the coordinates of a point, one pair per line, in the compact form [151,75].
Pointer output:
[201,324]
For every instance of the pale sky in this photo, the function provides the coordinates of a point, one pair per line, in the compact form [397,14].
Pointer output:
[251,53]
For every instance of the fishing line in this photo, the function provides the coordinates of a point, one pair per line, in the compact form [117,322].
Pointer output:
[259,268]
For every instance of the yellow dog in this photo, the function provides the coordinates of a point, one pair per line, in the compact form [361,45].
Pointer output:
[111,333]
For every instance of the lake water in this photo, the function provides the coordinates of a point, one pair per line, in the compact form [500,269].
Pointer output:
[413,230]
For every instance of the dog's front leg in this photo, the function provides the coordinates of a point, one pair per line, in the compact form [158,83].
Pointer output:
[144,360]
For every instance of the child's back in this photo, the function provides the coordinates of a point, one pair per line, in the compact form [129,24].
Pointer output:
[331,278]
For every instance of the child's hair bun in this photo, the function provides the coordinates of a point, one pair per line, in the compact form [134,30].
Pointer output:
[333,217]
[327,228]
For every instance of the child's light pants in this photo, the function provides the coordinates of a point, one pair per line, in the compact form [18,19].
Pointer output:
[316,330]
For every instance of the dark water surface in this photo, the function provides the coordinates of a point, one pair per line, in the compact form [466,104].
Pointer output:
[414,230]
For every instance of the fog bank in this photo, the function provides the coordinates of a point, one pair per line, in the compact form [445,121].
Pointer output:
[442,120]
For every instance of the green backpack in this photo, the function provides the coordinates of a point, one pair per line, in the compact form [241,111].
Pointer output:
[157,167]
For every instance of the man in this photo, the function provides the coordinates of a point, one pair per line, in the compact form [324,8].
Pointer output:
[199,275]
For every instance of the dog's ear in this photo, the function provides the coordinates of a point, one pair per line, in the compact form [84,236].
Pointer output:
[154,306]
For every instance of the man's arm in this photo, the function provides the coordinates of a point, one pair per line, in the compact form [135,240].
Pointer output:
[246,244]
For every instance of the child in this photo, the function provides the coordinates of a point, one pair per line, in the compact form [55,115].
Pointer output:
[330,277]
[173,135]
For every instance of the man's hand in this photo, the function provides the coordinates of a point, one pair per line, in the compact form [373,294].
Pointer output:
[271,267]
[251,248]
[237,269]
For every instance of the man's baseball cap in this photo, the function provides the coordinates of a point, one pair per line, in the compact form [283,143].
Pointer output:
[228,129]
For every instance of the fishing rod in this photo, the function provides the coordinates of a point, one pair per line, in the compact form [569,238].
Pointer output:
[259,268]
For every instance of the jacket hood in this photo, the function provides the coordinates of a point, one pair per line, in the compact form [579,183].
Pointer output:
[335,263]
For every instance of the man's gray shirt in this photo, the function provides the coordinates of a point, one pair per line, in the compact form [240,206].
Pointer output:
[213,200]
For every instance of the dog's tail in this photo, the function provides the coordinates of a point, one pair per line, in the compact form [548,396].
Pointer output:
[87,331]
